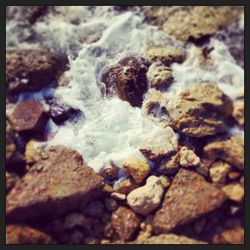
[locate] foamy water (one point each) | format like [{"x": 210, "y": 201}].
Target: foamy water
[{"x": 110, "y": 129}]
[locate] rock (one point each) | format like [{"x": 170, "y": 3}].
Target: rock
[
  {"x": 28, "y": 117},
  {"x": 189, "y": 197},
  {"x": 137, "y": 168},
  {"x": 10, "y": 179},
  {"x": 59, "y": 111},
  {"x": 125, "y": 223},
  {"x": 165, "y": 55},
  {"x": 219, "y": 171},
  {"x": 94, "y": 209},
  {"x": 169, "y": 166},
  {"x": 20, "y": 234},
  {"x": 147, "y": 198},
  {"x": 160, "y": 76},
  {"x": 118, "y": 196},
  {"x": 125, "y": 186},
  {"x": 238, "y": 112},
  {"x": 110, "y": 172},
  {"x": 62, "y": 184},
  {"x": 73, "y": 220},
  {"x": 30, "y": 70},
  {"x": 110, "y": 204},
  {"x": 230, "y": 236},
  {"x": 35, "y": 151},
  {"x": 230, "y": 150},
  {"x": 188, "y": 158},
  {"x": 32, "y": 13},
  {"x": 234, "y": 175},
  {"x": 169, "y": 239},
  {"x": 234, "y": 192},
  {"x": 127, "y": 79},
  {"x": 161, "y": 143}
]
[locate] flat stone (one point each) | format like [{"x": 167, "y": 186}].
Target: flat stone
[
  {"x": 189, "y": 197},
  {"x": 28, "y": 117},
  {"x": 230, "y": 150},
  {"x": 125, "y": 222},
  {"x": 53, "y": 186},
  {"x": 20, "y": 234}
]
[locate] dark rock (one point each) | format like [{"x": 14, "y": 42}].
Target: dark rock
[
  {"x": 53, "y": 186},
  {"x": 127, "y": 79},
  {"x": 189, "y": 197},
  {"x": 109, "y": 172},
  {"x": 28, "y": 117}
]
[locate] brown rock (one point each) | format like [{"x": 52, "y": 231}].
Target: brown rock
[
  {"x": 230, "y": 236},
  {"x": 110, "y": 172},
  {"x": 125, "y": 186},
  {"x": 62, "y": 184},
  {"x": 219, "y": 171},
  {"x": 11, "y": 180},
  {"x": 169, "y": 239},
  {"x": 28, "y": 117},
  {"x": 189, "y": 197},
  {"x": 19, "y": 234},
  {"x": 169, "y": 166},
  {"x": 125, "y": 222},
  {"x": 238, "y": 112},
  {"x": 127, "y": 79},
  {"x": 29, "y": 70},
  {"x": 230, "y": 150}
]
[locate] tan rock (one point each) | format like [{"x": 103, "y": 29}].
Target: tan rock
[
  {"x": 137, "y": 168},
  {"x": 230, "y": 150},
  {"x": 219, "y": 171},
  {"x": 238, "y": 112},
  {"x": 188, "y": 158},
  {"x": 125, "y": 186},
  {"x": 34, "y": 151},
  {"x": 118, "y": 196},
  {"x": 234, "y": 191},
  {"x": 147, "y": 198}
]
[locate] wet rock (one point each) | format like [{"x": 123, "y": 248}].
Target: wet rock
[
  {"x": 62, "y": 184},
  {"x": 11, "y": 180},
  {"x": 234, "y": 191},
  {"x": 127, "y": 79},
  {"x": 20, "y": 234},
  {"x": 147, "y": 198},
  {"x": 110, "y": 171},
  {"x": 125, "y": 186},
  {"x": 137, "y": 168},
  {"x": 230, "y": 236},
  {"x": 188, "y": 158},
  {"x": 160, "y": 77},
  {"x": 125, "y": 223},
  {"x": 238, "y": 112},
  {"x": 59, "y": 111},
  {"x": 230, "y": 150},
  {"x": 28, "y": 117},
  {"x": 169, "y": 166},
  {"x": 189, "y": 197},
  {"x": 164, "y": 143},
  {"x": 219, "y": 171},
  {"x": 30, "y": 70},
  {"x": 110, "y": 204},
  {"x": 165, "y": 55},
  {"x": 169, "y": 239}
]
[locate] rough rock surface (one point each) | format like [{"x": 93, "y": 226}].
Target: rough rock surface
[
  {"x": 238, "y": 112},
  {"x": 189, "y": 197},
  {"x": 28, "y": 117},
  {"x": 127, "y": 79},
  {"x": 29, "y": 70},
  {"x": 230, "y": 150},
  {"x": 147, "y": 198},
  {"x": 19, "y": 234},
  {"x": 53, "y": 186},
  {"x": 137, "y": 168},
  {"x": 169, "y": 239},
  {"x": 234, "y": 191},
  {"x": 125, "y": 222},
  {"x": 165, "y": 55},
  {"x": 219, "y": 171}
]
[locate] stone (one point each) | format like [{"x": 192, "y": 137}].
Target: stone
[
  {"x": 234, "y": 175},
  {"x": 238, "y": 112},
  {"x": 59, "y": 111},
  {"x": 137, "y": 168},
  {"x": 169, "y": 239},
  {"x": 110, "y": 204},
  {"x": 21, "y": 234},
  {"x": 234, "y": 192},
  {"x": 125, "y": 186},
  {"x": 125, "y": 223},
  {"x": 10, "y": 179},
  {"x": 189, "y": 197},
  {"x": 160, "y": 77},
  {"x": 28, "y": 117},
  {"x": 219, "y": 172},
  {"x": 165, "y": 55},
  {"x": 169, "y": 166},
  {"x": 110, "y": 172},
  {"x": 230, "y": 150},
  {"x": 62, "y": 184},
  {"x": 147, "y": 198},
  {"x": 118, "y": 196},
  {"x": 230, "y": 236},
  {"x": 74, "y": 220},
  {"x": 188, "y": 158},
  {"x": 127, "y": 79},
  {"x": 94, "y": 209}
]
